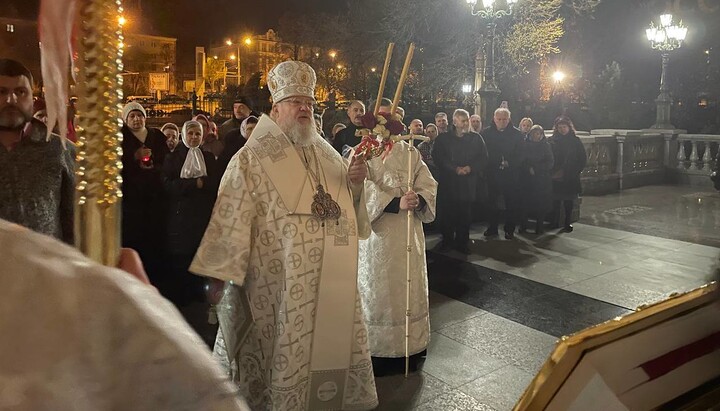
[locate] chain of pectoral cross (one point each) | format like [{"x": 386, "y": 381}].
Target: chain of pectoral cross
[{"x": 314, "y": 174}]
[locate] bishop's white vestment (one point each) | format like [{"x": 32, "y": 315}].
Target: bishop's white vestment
[
  {"x": 382, "y": 272},
  {"x": 76, "y": 335},
  {"x": 291, "y": 333}
]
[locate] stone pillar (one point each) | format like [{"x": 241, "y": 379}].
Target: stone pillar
[
  {"x": 620, "y": 159},
  {"x": 664, "y": 100},
  {"x": 666, "y": 154}
]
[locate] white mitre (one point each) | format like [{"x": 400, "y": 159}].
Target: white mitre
[{"x": 291, "y": 79}]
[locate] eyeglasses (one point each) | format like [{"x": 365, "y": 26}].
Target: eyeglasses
[{"x": 309, "y": 104}]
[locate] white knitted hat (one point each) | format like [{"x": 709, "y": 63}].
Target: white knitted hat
[
  {"x": 291, "y": 79},
  {"x": 132, "y": 106}
]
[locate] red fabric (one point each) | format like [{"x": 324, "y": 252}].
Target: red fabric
[
  {"x": 72, "y": 136},
  {"x": 667, "y": 363}
]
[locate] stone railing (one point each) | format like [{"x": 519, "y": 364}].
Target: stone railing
[
  {"x": 620, "y": 159},
  {"x": 696, "y": 157}
]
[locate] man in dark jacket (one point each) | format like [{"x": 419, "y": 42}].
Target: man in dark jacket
[
  {"x": 346, "y": 136},
  {"x": 242, "y": 108},
  {"x": 460, "y": 157},
  {"x": 504, "y": 164},
  {"x": 37, "y": 174}
]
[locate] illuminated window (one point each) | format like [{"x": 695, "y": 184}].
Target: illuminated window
[{"x": 10, "y": 28}]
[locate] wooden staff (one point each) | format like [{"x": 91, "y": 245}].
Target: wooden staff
[
  {"x": 407, "y": 261},
  {"x": 403, "y": 77},
  {"x": 396, "y": 100},
  {"x": 383, "y": 79}
]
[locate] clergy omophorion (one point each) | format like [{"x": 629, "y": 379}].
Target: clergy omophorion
[
  {"x": 290, "y": 335},
  {"x": 382, "y": 272}
]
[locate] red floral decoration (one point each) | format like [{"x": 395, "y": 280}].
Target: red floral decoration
[{"x": 378, "y": 133}]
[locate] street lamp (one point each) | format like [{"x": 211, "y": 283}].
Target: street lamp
[
  {"x": 558, "y": 77},
  {"x": 490, "y": 11},
  {"x": 229, "y": 43},
  {"x": 666, "y": 37},
  {"x": 467, "y": 88}
]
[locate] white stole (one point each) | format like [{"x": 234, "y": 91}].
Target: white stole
[{"x": 335, "y": 310}]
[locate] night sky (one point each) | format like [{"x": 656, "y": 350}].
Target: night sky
[{"x": 616, "y": 31}]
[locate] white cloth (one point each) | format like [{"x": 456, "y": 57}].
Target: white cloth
[
  {"x": 382, "y": 266},
  {"x": 274, "y": 315},
  {"x": 79, "y": 336},
  {"x": 243, "y": 127},
  {"x": 194, "y": 165}
]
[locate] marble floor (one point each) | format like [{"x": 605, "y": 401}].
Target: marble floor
[{"x": 496, "y": 313}]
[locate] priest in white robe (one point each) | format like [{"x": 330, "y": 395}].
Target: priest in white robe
[
  {"x": 76, "y": 335},
  {"x": 284, "y": 237},
  {"x": 383, "y": 266}
]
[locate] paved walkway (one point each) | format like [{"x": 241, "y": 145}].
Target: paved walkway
[{"x": 496, "y": 314}]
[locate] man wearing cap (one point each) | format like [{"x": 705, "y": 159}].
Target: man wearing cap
[
  {"x": 241, "y": 110},
  {"x": 37, "y": 174},
  {"x": 144, "y": 206},
  {"x": 284, "y": 239}
]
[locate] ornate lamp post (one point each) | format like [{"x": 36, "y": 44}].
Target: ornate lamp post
[
  {"x": 666, "y": 37},
  {"x": 491, "y": 12},
  {"x": 235, "y": 58},
  {"x": 558, "y": 78},
  {"x": 467, "y": 90}
]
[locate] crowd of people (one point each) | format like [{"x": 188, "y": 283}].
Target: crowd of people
[
  {"x": 499, "y": 173},
  {"x": 290, "y": 239}
]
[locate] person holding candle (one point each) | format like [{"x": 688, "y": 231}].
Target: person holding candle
[{"x": 144, "y": 205}]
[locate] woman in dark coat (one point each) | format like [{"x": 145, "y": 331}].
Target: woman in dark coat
[
  {"x": 144, "y": 203},
  {"x": 535, "y": 178},
  {"x": 570, "y": 160},
  {"x": 191, "y": 181}
]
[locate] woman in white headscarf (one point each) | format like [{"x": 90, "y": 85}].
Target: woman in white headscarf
[{"x": 191, "y": 180}]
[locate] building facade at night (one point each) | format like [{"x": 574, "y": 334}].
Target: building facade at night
[{"x": 254, "y": 53}]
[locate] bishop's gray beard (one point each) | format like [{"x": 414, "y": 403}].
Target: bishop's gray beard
[{"x": 301, "y": 135}]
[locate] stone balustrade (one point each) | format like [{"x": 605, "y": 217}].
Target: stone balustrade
[
  {"x": 696, "y": 157},
  {"x": 622, "y": 159}
]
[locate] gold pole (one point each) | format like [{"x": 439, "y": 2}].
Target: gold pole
[
  {"x": 383, "y": 79},
  {"x": 403, "y": 77},
  {"x": 407, "y": 262},
  {"x": 98, "y": 195}
]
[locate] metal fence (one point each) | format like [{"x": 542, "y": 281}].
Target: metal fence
[{"x": 179, "y": 112}]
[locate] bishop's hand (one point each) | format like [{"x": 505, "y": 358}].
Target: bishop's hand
[{"x": 357, "y": 170}]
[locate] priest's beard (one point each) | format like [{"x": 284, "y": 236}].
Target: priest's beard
[
  {"x": 301, "y": 134},
  {"x": 13, "y": 118}
]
